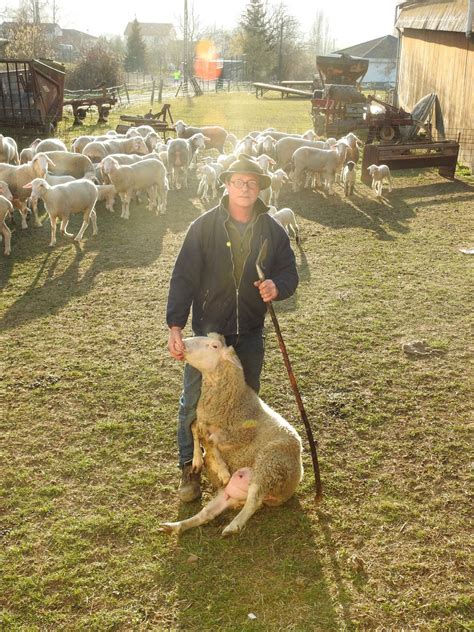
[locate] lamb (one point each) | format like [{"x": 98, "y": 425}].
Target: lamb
[
  {"x": 217, "y": 166},
  {"x": 208, "y": 182},
  {"x": 180, "y": 154},
  {"x": 233, "y": 140},
  {"x": 151, "y": 140},
  {"x": 226, "y": 160},
  {"x": 106, "y": 193},
  {"x": 322, "y": 161},
  {"x": 215, "y": 135},
  {"x": 65, "y": 163},
  {"x": 50, "y": 144},
  {"x": 246, "y": 146},
  {"x": 287, "y": 219},
  {"x": 63, "y": 200},
  {"x": 278, "y": 178},
  {"x": 8, "y": 150},
  {"x": 6, "y": 209},
  {"x": 250, "y": 448},
  {"x": 349, "y": 175},
  {"x": 26, "y": 155},
  {"x": 265, "y": 161},
  {"x": 146, "y": 175},
  {"x": 266, "y": 145},
  {"x": 355, "y": 144},
  {"x": 98, "y": 150},
  {"x": 16, "y": 176},
  {"x": 379, "y": 174}
]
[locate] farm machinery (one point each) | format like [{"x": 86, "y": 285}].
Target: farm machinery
[{"x": 399, "y": 139}]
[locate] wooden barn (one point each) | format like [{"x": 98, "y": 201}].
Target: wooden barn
[{"x": 436, "y": 54}]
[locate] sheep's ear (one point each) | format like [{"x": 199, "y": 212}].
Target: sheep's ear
[
  {"x": 228, "y": 354},
  {"x": 50, "y": 162},
  {"x": 206, "y": 138},
  {"x": 218, "y": 337},
  {"x": 28, "y": 186}
]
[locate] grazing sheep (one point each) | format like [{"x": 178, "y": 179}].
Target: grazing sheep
[
  {"x": 278, "y": 178},
  {"x": 6, "y": 209},
  {"x": 287, "y": 219},
  {"x": 249, "y": 447},
  {"x": 8, "y": 150},
  {"x": 215, "y": 135},
  {"x": 379, "y": 174},
  {"x": 146, "y": 175},
  {"x": 63, "y": 200},
  {"x": 16, "y": 176},
  {"x": 349, "y": 175}
]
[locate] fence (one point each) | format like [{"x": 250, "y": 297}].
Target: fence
[{"x": 466, "y": 142}]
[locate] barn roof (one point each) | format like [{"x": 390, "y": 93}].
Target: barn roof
[
  {"x": 433, "y": 15},
  {"x": 380, "y": 48}
]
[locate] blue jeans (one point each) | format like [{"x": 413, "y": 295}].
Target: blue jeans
[{"x": 250, "y": 348}]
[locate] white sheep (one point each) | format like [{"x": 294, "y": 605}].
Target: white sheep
[
  {"x": 65, "y": 163},
  {"x": 16, "y": 176},
  {"x": 249, "y": 447},
  {"x": 180, "y": 154},
  {"x": 226, "y": 160},
  {"x": 106, "y": 193},
  {"x": 63, "y": 200},
  {"x": 50, "y": 144},
  {"x": 311, "y": 160},
  {"x": 6, "y": 209},
  {"x": 379, "y": 174},
  {"x": 279, "y": 177},
  {"x": 52, "y": 180},
  {"x": 207, "y": 182},
  {"x": 285, "y": 148},
  {"x": 246, "y": 146},
  {"x": 287, "y": 219},
  {"x": 215, "y": 135},
  {"x": 349, "y": 175},
  {"x": 98, "y": 150},
  {"x": 8, "y": 150},
  {"x": 265, "y": 162},
  {"x": 146, "y": 175}
]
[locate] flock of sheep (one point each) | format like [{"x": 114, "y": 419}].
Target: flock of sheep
[{"x": 98, "y": 168}]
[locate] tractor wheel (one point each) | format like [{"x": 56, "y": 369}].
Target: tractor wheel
[{"x": 387, "y": 133}]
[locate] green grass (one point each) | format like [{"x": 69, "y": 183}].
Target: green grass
[{"x": 90, "y": 396}]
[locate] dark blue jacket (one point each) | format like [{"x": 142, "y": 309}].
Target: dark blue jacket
[{"x": 203, "y": 274}]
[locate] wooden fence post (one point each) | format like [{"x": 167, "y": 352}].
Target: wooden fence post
[
  {"x": 160, "y": 92},
  {"x": 126, "y": 92},
  {"x": 152, "y": 92}
]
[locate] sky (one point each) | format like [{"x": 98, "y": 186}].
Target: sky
[{"x": 352, "y": 21}]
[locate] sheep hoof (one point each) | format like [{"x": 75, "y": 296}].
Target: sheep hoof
[
  {"x": 170, "y": 528},
  {"x": 231, "y": 530}
]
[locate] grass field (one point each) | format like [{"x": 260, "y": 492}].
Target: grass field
[{"x": 90, "y": 396}]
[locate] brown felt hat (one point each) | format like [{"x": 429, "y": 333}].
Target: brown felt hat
[{"x": 246, "y": 164}]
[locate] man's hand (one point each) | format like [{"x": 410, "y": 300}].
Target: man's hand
[
  {"x": 175, "y": 343},
  {"x": 268, "y": 290}
]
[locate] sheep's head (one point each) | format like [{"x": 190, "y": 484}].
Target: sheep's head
[
  {"x": 108, "y": 164},
  {"x": 132, "y": 132},
  {"x": 40, "y": 163},
  {"x": 179, "y": 126},
  {"x": 198, "y": 141},
  {"x": 310, "y": 135},
  {"x": 139, "y": 146},
  {"x": 38, "y": 186},
  {"x": 153, "y": 139},
  {"x": 372, "y": 169},
  {"x": 280, "y": 175},
  {"x": 205, "y": 353}
]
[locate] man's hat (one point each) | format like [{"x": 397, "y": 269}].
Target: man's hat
[{"x": 246, "y": 164}]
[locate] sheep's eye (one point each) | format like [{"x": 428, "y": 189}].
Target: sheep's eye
[{"x": 214, "y": 346}]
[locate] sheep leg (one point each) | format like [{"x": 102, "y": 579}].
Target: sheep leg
[
  {"x": 52, "y": 219},
  {"x": 389, "y": 184},
  {"x": 7, "y": 235},
  {"x": 217, "y": 505},
  {"x": 34, "y": 208},
  {"x": 93, "y": 216},
  {"x": 123, "y": 199},
  {"x": 63, "y": 227},
  {"x": 252, "y": 504},
  {"x": 198, "y": 461},
  {"x": 23, "y": 209},
  {"x": 85, "y": 224}
]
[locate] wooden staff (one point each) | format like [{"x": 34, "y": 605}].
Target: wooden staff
[{"x": 294, "y": 386}]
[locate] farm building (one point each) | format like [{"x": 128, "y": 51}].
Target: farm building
[
  {"x": 437, "y": 56},
  {"x": 382, "y": 56}
]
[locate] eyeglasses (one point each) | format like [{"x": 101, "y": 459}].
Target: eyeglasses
[{"x": 250, "y": 184}]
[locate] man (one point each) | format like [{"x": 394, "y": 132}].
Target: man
[{"x": 215, "y": 273}]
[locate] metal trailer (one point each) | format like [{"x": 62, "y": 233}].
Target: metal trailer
[{"x": 31, "y": 97}]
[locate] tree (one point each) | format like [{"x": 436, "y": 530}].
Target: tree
[
  {"x": 99, "y": 65},
  {"x": 255, "y": 39},
  {"x": 135, "y": 55},
  {"x": 320, "y": 40},
  {"x": 27, "y": 37}
]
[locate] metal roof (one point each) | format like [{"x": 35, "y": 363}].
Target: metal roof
[
  {"x": 384, "y": 47},
  {"x": 433, "y": 15}
]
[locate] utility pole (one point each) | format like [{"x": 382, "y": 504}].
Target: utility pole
[
  {"x": 280, "y": 54},
  {"x": 186, "y": 47}
]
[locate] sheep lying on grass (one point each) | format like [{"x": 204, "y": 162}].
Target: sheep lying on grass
[
  {"x": 379, "y": 174},
  {"x": 250, "y": 448}
]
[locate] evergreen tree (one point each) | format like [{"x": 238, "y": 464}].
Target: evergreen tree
[
  {"x": 135, "y": 55},
  {"x": 255, "y": 36}
]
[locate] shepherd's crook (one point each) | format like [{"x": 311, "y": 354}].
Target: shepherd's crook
[{"x": 294, "y": 386}]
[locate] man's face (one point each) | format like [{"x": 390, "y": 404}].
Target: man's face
[{"x": 243, "y": 189}]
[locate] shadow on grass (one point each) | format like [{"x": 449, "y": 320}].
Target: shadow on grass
[
  {"x": 273, "y": 569},
  {"x": 120, "y": 244}
]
